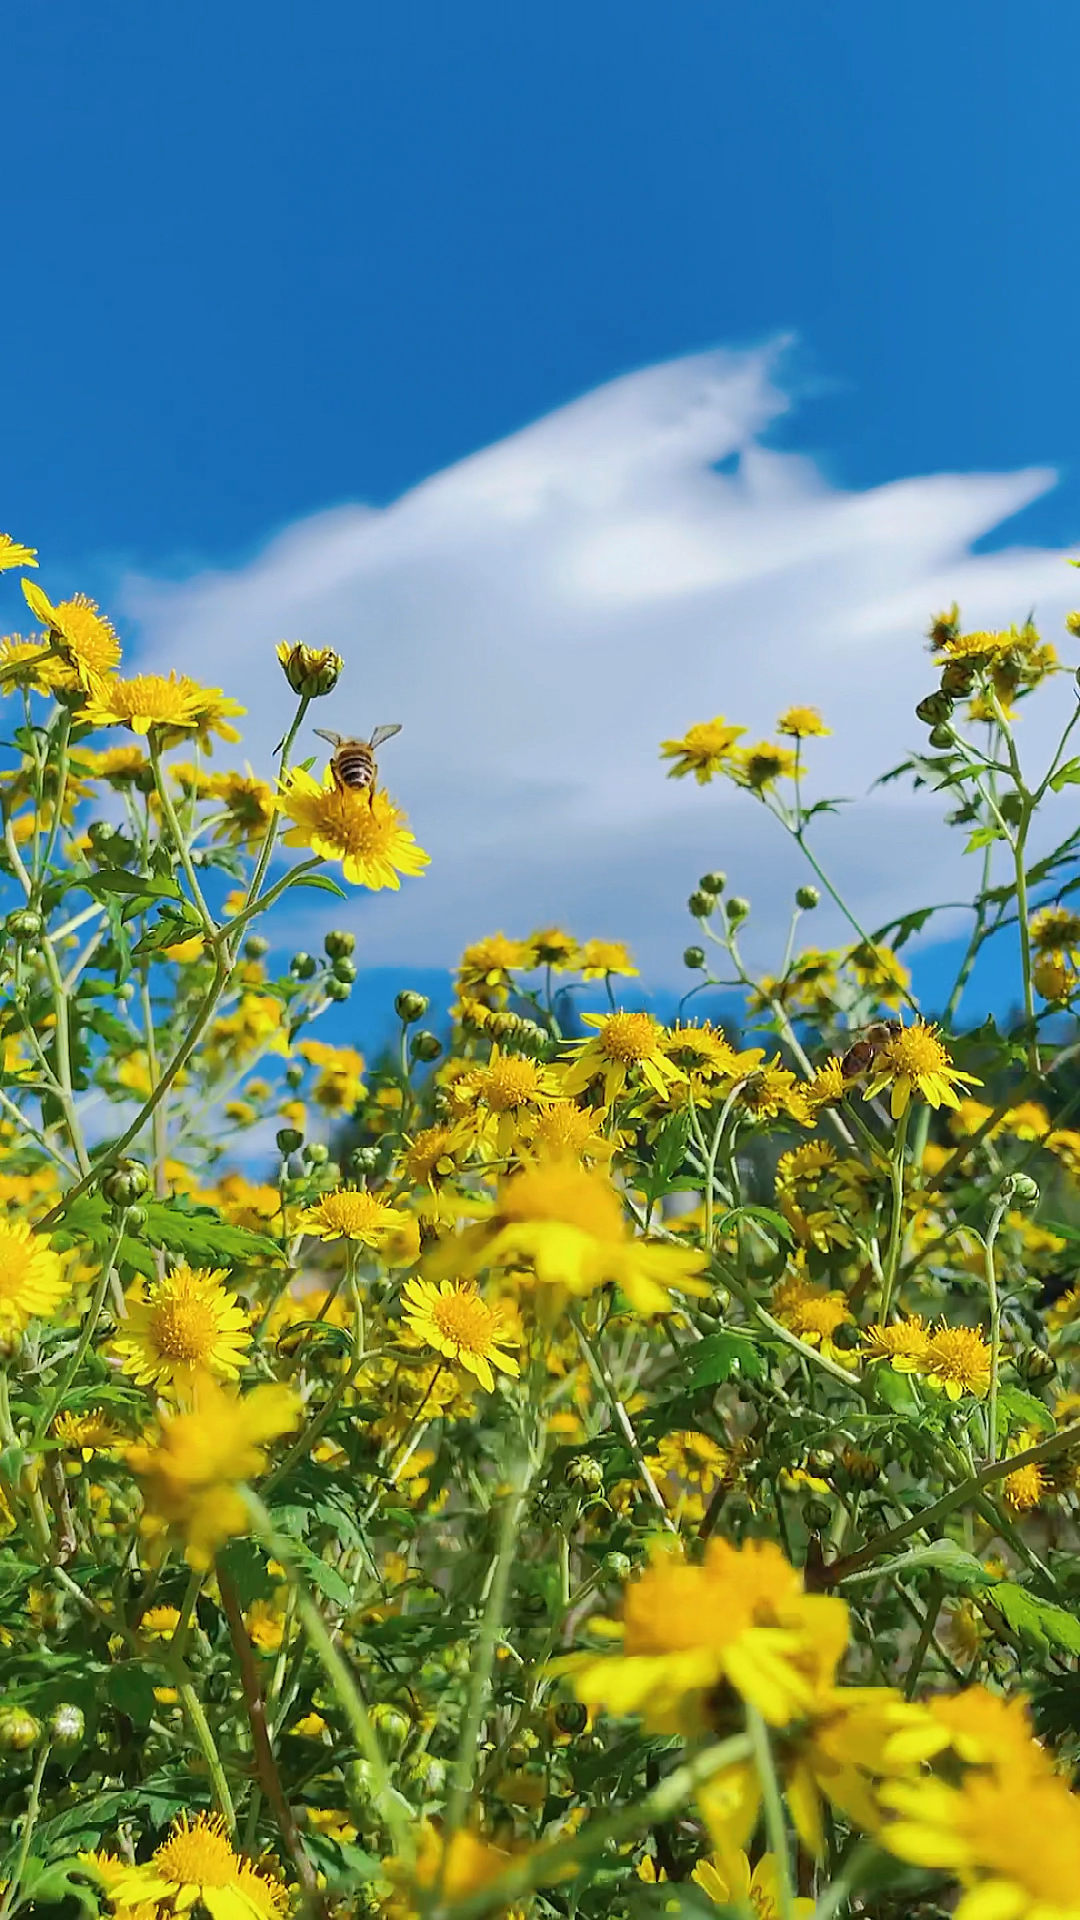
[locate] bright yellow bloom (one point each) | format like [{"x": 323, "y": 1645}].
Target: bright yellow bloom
[
  {"x": 772, "y": 1093},
  {"x": 551, "y": 947},
  {"x": 180, "y": 1327},
  {"x": 149, "y": 700},
  {"x": 196, "y": 1864},
  {"x": 1056, "y": 929},
  {"x": 340, "y": 1084},
  {"x": 915, "y": 1061},
  {"x": 625, "y": 1043},
  {"x": 364, "y": 830},
  {"x": 1013, "y": 1842},
  {"x": 86, "y": 1433},
  {"x": 214, "y": 712},
  {"x": 826, "y": 1089},
  {"x": 120, "y": 766},
  {"x": 881, "y": 972},
  {"x": 352, "y": 1213},
  {"x": 559, "y": 1128},
  {"x": 495, "y": 1099},
  {"x": 705, "y": 1054},
  {"x": 191, "y": 1476},
  {"x": 159, "y": 1623},
  {"x": 451, "y": 1317},
  {"x": 802, "y": 723},
  {"x": 957, "y": 1361},
  {"x": 32, "y": 1282},
  {"x": 37, "y": 665},
  {"x": 705, "y": 749},
  {"x": 812, "y": 1312},
  {"x": 14, "y": 555},
  {"x": 600, "y": 957},
  {"x": 87, "y": 641},
  {"x": 757, "y": 767},
  {"x": 741, "y": 1616},
  {"x": 249, "y": 805},
  {"x": 484, "y": 968},
  {"x": 729, "y": 1882},
  {"x": 458, "y": 1868},
  {"x": 568, "y": 1226},
  {"x": 904, "y": 1344}
]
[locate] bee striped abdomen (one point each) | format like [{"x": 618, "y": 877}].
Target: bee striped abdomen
[{"x": 354, "y": 766}]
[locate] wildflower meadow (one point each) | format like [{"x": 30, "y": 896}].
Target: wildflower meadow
[{"x": 572, "y": 1465}]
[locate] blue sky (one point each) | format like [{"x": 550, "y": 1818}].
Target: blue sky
[{"x": 268, "y": 262}]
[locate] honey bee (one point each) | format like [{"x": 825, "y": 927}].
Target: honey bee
[
  {"x": 353, "y": 762},
  {"x": 862, "y": 1053}
]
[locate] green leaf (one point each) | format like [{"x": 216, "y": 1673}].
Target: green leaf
[
  {"x": 669, "y": 1154},
  {"x": 117, "y": 880},
  {"x": 773, "y": 1219},
  {"x": 1038, "y": 1620},
  {"x": 1066, "y": 776},
  {"x": 246, "y": 1567},
  {"x": 131, "y": 1689},
  {"x": 715, "y": 1358},
  {"x": 320, "y": 880},
  {"x": 202, "y": 1236},
  {"x": 983, "y": 837},
  {"x": 1023, "y": 1409},
  {"x": 322, "y": 1575},
  {"x": 952, "y": 1563}
]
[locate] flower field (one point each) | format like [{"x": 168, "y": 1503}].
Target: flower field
[{"x": 575, "y": 1465}]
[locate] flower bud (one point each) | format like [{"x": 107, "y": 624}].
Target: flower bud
[
  {"x": 585, "y": 1472},
  {"x": 137, "y": 1218},
  {"x": 19, "y": 1731},
  {"x": 315, "y": 1154},
  {"x": 1035, "y": 1365},
  {"x": 125, "y": 1183},
  {"x": 425, "y": 1045},
  {"x": 738, "y": 909},
  {"x": 339, "y": 944},
  {"x": 346, "y": 970},
  {"x": 66, "y": 1725},
  {"x": 256, "y": 947},
  {"x": 337, "y": 989},
  {"x": 570, "y": 1716},
  {"x": 1072, "y": 623},
  {"x": 617, "y": 1566},
  {"x": 410, "y": 1006},
  {"x": 424, "y": 1776},
  {"x": 807, "y": 898},
  {"x": 941, "y": 737},
  {"x": 935, "y": 709},
  {"x": 289, "y": 1141},
  {"x": 816, "y": 1515},
  {"x": 958, "y": 678},
  {"x": 302, "y": 965},
  {"x": 701, "y": 905},
  {"x": 310, "y": 671},
  {"x": 364, "y": 1159},
  {"x": 693, "y": 957},
  {"x": 713, "y": 882},
  {"x": 294, "y": 1074},
  {"x": 1021, "y": 1189},
  {"x": 392, "y": 1726},
  {"x": 1053, "y": 977},
  {"x": 24, "y": 926}
]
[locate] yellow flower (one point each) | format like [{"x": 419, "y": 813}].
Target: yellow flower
[
  {"x": 364, "y": 830},
  {"x": 14, "y": 555},
  {"x": 496, "y": 1098},
  {"x": 771, "y": 1092},
  {"x": 120, "y": 766},
  {"x": 802, "y": 723},
  {"x": 249, "y": 805},
  {"x": 705, "y": 749},
  {"x": 915, "y": 1061},
  {"x": 149, "y": 700},
  {"x": 559, "y": 1128},
  {"x": 191, "y": 1475},
  {"x": 904, "y": 1344},
  {"x": 159, "y": 1623},
  {"x": 197, "y": 1865},
  {"x": 826, "y": 1089},
  {"x": 600, "y": 957},
  {"x": 86, "y": 1433},
  {"x": 706, "y": 1056},
  {"x": 957, "y": 1361},
  {"x": 568, "y": 1226},
  {"x": 37, "y": 665},
  {"x": 32, "y": 1282},
  {"x": 340, "y": 1084},
  {"x": 458, "y": 1867},
  {"x": 728, "y": 1882},
  {"x": 812, "y": 1312},
  {"x": 451, "y": 1317},
  {"x": 625, "y": 1043},
  {"x": 757, "y": 767},
  {"x": 551, "y": 947},
  {"x": 1012, "y": 1840},
  {"x": 351, "y": 1213},
  {"x": 1056, "y": 929},
  {"x": 180, "y": 1327},
  {"x": 484, "y": 968},
  {"x": 87, "y": 641},
  {"x": 741, "y": 1616},
  {"x": 265, "y": 1623},
  {"x": 879, "y": 971}
]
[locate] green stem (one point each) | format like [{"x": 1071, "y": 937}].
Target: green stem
[
  {"x": 775, "y": 1824},
  {"x": 896, "y": 1223},
  {"x": 179, "y": 837},
  {"x": 267, "y": 848},
  {"x": 86, "y": 1333},
  {"x": 200, "y": 1727},
  {"x": 30, "y": 1818},
  {"x": 622, "y": 1420},
  {"x": 995, "y": 1328}
]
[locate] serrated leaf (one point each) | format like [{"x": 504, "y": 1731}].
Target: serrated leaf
[
  {"x": 1023, "y": 1409},
  {"x": 1038, "y": 1620},
  {"x": 246, "y": 1567},
  {"x": 955, "y": 1566},
  {"x": 1066, "y": 776},
  {"x": 669, "y": 1154},
  {"x": 203, "y": 1237},
  {"x": 322, "y": 1575},
  {"x": 983, "y": 837},
  {"x": 715, "y": 1358},
  {"x": 116, "y": 880},
  {"x": 772, "y": 1219}
]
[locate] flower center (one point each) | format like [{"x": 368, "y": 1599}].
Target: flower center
[
  {"x": 465, "y": 1319},
  {"x": 509, "y": 1082},
  {"x": 197, "y": 1856},
  {"x": 629, "y": 1037},
  {"x": 352, "y": 1211},
  {"x": 915, "y": 1051},
  {"x": 183, "y": 1328}
]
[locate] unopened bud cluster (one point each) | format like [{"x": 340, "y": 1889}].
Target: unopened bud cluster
[{"x": 310, "y": 671}]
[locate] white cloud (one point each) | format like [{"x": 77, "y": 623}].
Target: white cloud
[{"x": 542, "y": 614}]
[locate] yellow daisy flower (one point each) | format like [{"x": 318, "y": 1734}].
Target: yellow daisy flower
[
  {"x": 485, "y": 967},
  {"x": 365, "y": 831},
  {"x": 957, "y": 1361},
  {"x": 728, "y": 1882},
  {"x": 12, "y": 554},
  {"x": 802, "y": 723},
  {"x": 181, "y": 1326},
  {"x": 87, "y": 640},
  {"x": 625, "y": 1043},
  {"x": 32, "y": 1282},
  {"x": 352, "y": 1213},
  {"x": 757, "y": 767},
  {"x": 192, "y": 1475},
  {"x": 495, "y": 1099},
  {"x": 86, "y": 1433},
  {"x": 904, "y": 1344},
  {"x": 149, "y": 700},
  {"x": 600, "y": 957},
  {"x": 551, "y": 947},
  {"x": 197, "y": 1865},
  {"x": 915, "y": 1061},
  {"x": 450, "y": 1316},
  {"x": 249, "y": 805},
  {"x": 706, "y": 748}
]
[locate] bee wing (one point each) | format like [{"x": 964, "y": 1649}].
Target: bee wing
[
  {"x": 383, "y": 733},
  {"x": 335, "y": 739}
]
